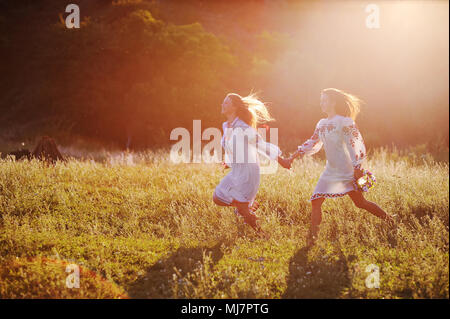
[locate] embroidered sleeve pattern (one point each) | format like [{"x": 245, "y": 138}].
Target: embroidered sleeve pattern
[
  {"x": 355, "y": 144},
  {"x": 312, "y": 145}
]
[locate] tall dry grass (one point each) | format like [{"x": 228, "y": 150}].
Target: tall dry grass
[{"x": 140, "y": 226}]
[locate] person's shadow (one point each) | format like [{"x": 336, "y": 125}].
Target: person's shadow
[
  {"x": 157, "y": 280},
  {"x": 318, "y": 279}
]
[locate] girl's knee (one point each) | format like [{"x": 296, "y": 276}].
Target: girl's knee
[
  {"x": 214, "y": 198},
  {"x": 217, "y": 201}
]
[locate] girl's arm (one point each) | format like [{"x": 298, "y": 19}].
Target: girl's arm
[
  {"x": 227, "y": 161},
  {"x": 310, "y": 147},
  {"x": 271, "y": 151},
  {"x": 284, "y": 162},
  {"x": 295, "y": 155},
  {"x": 355, "y": 145}
]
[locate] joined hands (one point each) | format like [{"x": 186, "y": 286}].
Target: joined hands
[{"x": 285, "y": 162}]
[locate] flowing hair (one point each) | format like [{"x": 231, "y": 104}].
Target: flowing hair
[
  {"x": 346, "y": 103},
  {"x": 250, "y": 109}
]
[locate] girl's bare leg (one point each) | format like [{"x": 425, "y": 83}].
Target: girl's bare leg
[
  {"x": 244, "y": 210},
  {"x": 251, "y": 219},
  {"x": 360, "y": 202},
  {"x": 316, "y": 217},
  {"x": 254, "y": 206},
  {"x": 217, "y": 201}
]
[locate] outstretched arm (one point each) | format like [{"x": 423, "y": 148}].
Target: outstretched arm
[
  {"x": 310, "y": 147},
  {"x": 226, "y": 162},
  {"x": 271, "y": 151},
  {"x": 284, "y": 162}
]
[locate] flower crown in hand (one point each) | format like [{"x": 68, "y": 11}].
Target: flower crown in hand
[{"x": 365, "y": 182}]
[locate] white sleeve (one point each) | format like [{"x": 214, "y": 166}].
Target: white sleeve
[
  {"x": 227, "y": 157},
  {"x": 354, "y": 142},
  {"x": 312, "y": 145},
  {"x": 222, "y": 141},
  {"x": 270, "y": 150}
]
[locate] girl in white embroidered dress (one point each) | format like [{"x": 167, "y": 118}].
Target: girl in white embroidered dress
[
  {"x": 239, "y": 187},
  {"x": 345, "y": 152}
]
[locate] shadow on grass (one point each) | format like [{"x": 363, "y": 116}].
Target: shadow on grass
[
  {"x": 319, "y": 278},
  {"x": 156, "y": 283}
]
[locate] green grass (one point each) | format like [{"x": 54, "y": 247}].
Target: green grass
[{"x": 146, "y": 228}]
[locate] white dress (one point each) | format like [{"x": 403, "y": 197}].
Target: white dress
[
  {"x": 345, "y": 151},
  {"x": 242, "y": 155}
]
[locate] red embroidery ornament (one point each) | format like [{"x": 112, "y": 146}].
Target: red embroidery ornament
[{"x": 328, "y": 195}]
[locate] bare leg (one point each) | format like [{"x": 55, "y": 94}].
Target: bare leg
[
  {"x": 316, "y": 217},
  {"x": 255, "y": 206},
  {"x": 243, "y": 210},
  {"x": 360, "y": 202},
  {"x": 217, "y": 201},
  {"x": 251, "y": 219}
]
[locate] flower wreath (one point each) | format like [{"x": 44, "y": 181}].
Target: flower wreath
[{"x": 365, "y": 182}]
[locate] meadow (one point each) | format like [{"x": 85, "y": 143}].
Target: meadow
[{"x": 139, "y": 226}]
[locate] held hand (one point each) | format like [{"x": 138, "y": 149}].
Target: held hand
[
  {"x": 284, "y": 162},
  {"x": 297, "y": 154},
  {"x": 358, "y": 173},
  {"x": 294, "y": 156},
  {"x": 290, "y": 160}
]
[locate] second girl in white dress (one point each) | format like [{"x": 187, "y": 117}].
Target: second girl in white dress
[{"x": 345, "y": 152}]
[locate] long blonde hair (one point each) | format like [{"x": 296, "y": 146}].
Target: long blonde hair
[
  {"x": 346, "y": 103},
  {"x": 250, "y": 109}
]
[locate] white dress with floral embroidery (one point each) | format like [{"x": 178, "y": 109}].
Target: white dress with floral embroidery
[
  {"x": 345, "y": 151},
  {"x": 242, "y": 183}
]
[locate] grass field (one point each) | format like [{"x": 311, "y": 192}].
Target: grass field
[{"x": 139, "y": 226}]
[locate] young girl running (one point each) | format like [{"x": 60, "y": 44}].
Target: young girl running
[
  {"x": 243, "y": 146},
  {"x": 345, "y": 152}
]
